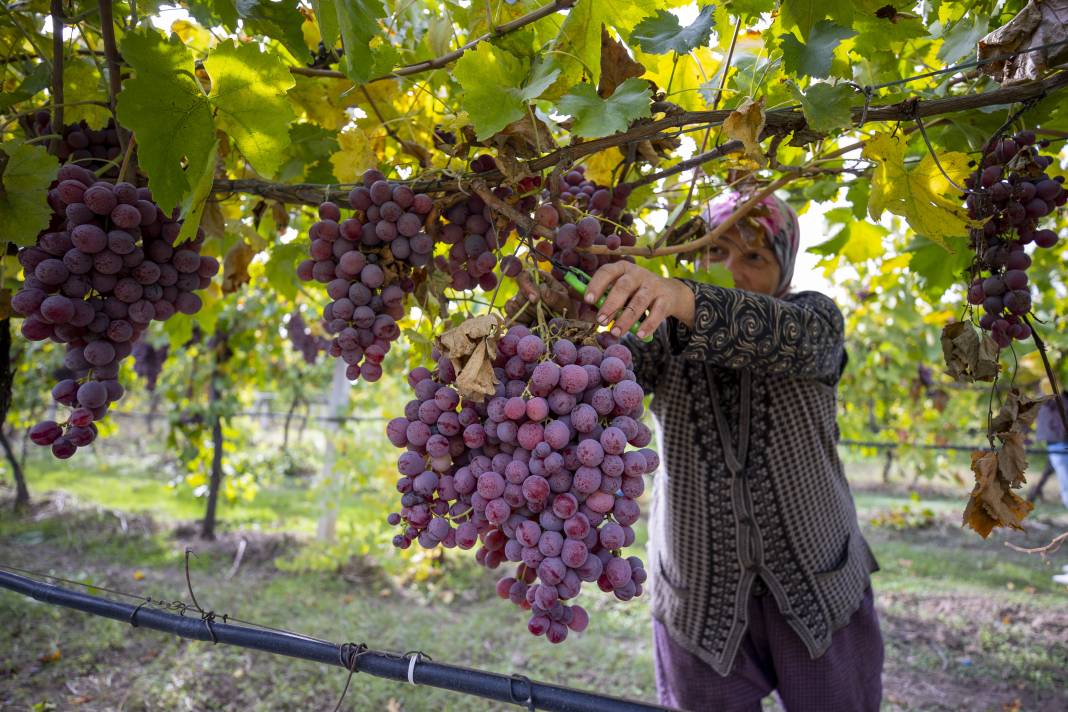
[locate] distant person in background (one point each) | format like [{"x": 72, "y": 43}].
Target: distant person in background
[{"x": 1050, "y": 427}]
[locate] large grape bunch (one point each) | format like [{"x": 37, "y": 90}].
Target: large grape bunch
[
  {"x": 148, "y": 362},
  {"x": 307, "y": 344},
  {"x": 94, "y": 281},
  {"x": 1012, "y": 192},
  {"x": 539, "y": 475},
  {"x": 89, "y": 148},
  {"x": 366, "y": 262}
]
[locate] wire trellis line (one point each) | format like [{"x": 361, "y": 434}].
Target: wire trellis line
[
  {"x": 413, "y": 667},
  {"x": 890, "y": 445}
]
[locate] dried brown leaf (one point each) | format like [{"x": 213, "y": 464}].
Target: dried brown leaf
[
  {"x": 524, "y": 138},
  {"x": 212, "y": 221},
  {"x": 472, "y": 347},
  {"x": 235, "y": 267},
  {"x": 1037, "y": 24},
  {"x": 616, "y": 65},
  {"x": 1017, "y": 414},
  {"x": 1012, "y": 459},
  {"x": 969, "y": 356},
  {"x": 992, "y": 503},
  {"x": 745, "y": 124}
]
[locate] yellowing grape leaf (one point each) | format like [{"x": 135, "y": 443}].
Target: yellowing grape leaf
[
  {"x": 922, "y": 196},
  {"x": 235, "y": 266},
  {"x": 355, "y": 157},
  {"x": 248, "y": 90}
]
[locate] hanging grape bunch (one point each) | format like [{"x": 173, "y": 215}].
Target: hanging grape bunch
[
  {"x": 148, "y": 362},
  {"x": 89, "y": 148},
  {"x": 307, "y": 344},
  {"x": 1011, "y": 190},
  {"x": 538, "y": 475},
  {"x": 106, "y": 268},
  {"x": 366, "y": 263},
  {"x": 588, "y": 215}
]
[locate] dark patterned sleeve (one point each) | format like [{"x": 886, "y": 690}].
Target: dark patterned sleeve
[
  {"x": 801, "y": 335},
  {"x": 649, "y": 358}
]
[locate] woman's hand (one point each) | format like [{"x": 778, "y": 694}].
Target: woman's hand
[{"x": 633, "y": 290}]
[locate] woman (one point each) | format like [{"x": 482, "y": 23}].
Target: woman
[{"x": 760, "y": 575}]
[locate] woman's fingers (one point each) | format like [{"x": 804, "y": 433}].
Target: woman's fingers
[
  {"x": 603, "y": 278},
  {"x": 634, "y": 309},
  {"x": 658, "y": 312}
]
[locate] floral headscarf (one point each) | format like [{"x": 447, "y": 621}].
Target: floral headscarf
[{"x": 771, "y": 219}]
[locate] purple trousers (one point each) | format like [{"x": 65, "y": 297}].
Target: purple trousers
[{"x": 846, "y": 678}]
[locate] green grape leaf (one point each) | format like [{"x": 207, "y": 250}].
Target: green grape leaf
[
  {"x": 358, "y": 23},
  {"x": 168, "y": 112},
  {"x": 326, "y": 16},
  {"x": 248, "y": 92},
  {"x": 278, "y": 20},
  {"x": 749, "y": 9},
  {"x": 37, "y": 80},
  {"x": 213, "y": 12},
  {"x": 961, "y": 39},
  {"x": 26, "y": 171},
  {"x": 83, "y": 82},
  {"x": 193, "y": 210},
  {"x": 813, "y": 58},
  {"x": 826, "y": 106},
  {"x": 577, "y": 47},
  {"x": 937, "y": 270},
  {"x": 493, "y": 91},
  {"x": 663, "y": 33},
  {"x": 596, "y": 117},
  {"x": 804, "y": 14}
]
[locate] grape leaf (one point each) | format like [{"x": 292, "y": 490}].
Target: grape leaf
[
  {"x": 358, "y": 23},
  {"x": 83, "y": 82},
  {"x": 596, "y": 117},
  {"x": 26, "y": 171},
  {"x": 577, "y": 47},
  {"x": 198, "y": 198},
  {"x": 961, "y": 39},
  {"x": 937, "y": 270},
  {"x": 803, "y": 14},
  {"x": 35, "y": 81},
  {"x": 992, "y": 503},
  {"x": 749, "y": 9},
  {"x": 248, "y": 91},
  {"x": 745, "y": 124},
  {"x": 493, "y": 91},
  {"x": 813, "y": 58},
  {"x": 279, "y": 20},
  {"x": 355, "y": 156},
  {"x": 167, "y": 110},
  {"x": 826, "y": 106},
  {"x": 663, "y": 33},
  {"x": 326, "y": 16},
  {"x": 922, "y": 196}
]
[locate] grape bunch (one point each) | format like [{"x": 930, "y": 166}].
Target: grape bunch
[
  {"x": 366, "y": 262},
  {"x": 94, "y": 281},
  {"x": 538, "y": 475},
  {"x": 89, "y": 148},
  {"x": 1012, "y": 192},
  {"x": 307, "y": 344},
  {"x": 148, "y": 362},
  {"x": 472, "y": 237}
]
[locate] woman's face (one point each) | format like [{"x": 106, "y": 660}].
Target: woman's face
[{"x": 755, "y": 269}]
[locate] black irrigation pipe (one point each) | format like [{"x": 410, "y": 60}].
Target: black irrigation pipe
[
  {"x": 924, "y": 446},
  {"x": 516, "y": 689}
]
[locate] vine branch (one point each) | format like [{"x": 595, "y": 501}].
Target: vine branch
[
  {"x": 1053, "y": 384},
  {"x": 57, "y": 71},
  {"x": 729, "y": 222},
  {"x": 776, "y": 122}
]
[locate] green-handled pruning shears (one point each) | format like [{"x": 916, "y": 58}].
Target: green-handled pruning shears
[{"x": 579, "y": 281}]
